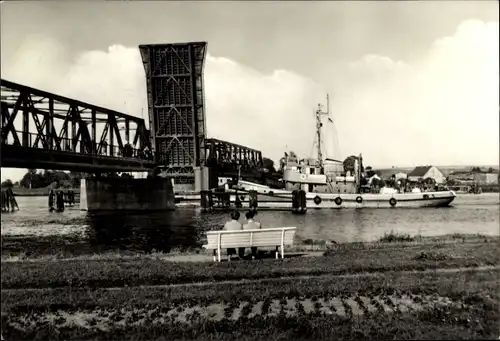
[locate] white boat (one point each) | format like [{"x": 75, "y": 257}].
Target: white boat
[
  {"x": 269, "y": 198},
  {"x": 327, "y": 186}
]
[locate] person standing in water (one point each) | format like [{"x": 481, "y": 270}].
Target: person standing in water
[
  {"x": 252, "y": 225},
  {"x": 12, "y": 199},
  {"x": 60, "y": 201},
  {"x": 52, "y": 196},
  {"x": 234, "y": 225},
  {"x": 5, "y": 201}
]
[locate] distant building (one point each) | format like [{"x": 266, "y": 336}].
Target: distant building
[
  {"x": 424, "y": 172},
  {"x": 474, "y": 177},
  {"x": 400, "y": 175},
  {"x": 462, "y": 176},
  {"x": 488, "y": 178}
]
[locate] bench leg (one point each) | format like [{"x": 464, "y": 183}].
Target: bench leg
[
  {"x": 282, "y": 251},
  {"x": 277, "y": 252},
  {"x": 215, "y": 255}
]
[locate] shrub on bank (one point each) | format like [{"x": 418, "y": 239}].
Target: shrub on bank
[
  {"x": 396, "y": 237},
  {"x": 433, "y": 255}
]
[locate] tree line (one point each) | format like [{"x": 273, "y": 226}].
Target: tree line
[{"x": 35, "y": 179}]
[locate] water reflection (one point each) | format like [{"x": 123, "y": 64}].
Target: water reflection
[
  {"x": 359, "y": 222},
  {"x": 144, "y": 232}
]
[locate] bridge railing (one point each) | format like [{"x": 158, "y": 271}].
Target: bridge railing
[{"x": 77, "y": 146}]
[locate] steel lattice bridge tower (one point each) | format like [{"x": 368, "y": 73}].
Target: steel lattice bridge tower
[{"x": 174, "y": 78}]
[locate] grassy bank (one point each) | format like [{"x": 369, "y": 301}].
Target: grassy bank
[
  {"x": 337, "y": 260},
  {"x": 453, "y": 284},
  {"x": 37, "y": 192},
  {"x": 400, "y": 287},
  {"x": 30, "y": 192},
  {"x": 57, "y": 248}
]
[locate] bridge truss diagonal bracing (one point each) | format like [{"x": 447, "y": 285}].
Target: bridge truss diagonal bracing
[
  {"x": 45, "y": 130},
  {"x": 174, "y": 77},
  {"x": 230, "y": 157}
]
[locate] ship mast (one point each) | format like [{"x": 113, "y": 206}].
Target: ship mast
[{"x": 319, "y": 124}]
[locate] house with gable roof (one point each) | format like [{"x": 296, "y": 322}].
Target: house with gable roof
[{"x": 424, "y": 172}]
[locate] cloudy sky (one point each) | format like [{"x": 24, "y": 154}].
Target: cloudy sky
[{"x": 411, "y": 82}]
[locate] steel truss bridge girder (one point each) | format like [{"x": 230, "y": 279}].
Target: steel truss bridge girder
[
  {"x": 37, "y": 135},
  {"x": 174, "y": 77},
  {"x": 230, "y": 157}
]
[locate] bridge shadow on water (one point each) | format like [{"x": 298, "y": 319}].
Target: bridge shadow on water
[
  {"x": 147, "y": 232},
  {"x": 76, "y": 233},
  {"x": 161, "y": 231}
]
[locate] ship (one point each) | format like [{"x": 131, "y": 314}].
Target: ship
[{"x": 327, "y": 185}]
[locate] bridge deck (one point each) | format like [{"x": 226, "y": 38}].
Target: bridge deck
[{"x": 23, "y": 157}]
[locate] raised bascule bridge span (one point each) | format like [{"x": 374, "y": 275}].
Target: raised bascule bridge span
[{"x": 42, "y": 130}]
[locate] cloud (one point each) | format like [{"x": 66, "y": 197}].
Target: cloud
[
  {"x": 263, "y": 111},
  {"x": 441, "y": 108}
]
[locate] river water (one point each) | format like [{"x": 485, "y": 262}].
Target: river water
[{"x": 35, "y": 230}]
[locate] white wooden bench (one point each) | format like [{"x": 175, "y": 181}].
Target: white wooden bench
[{"x": 279, "y": 237}]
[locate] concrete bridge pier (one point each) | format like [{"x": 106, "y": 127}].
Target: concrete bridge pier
[
  {"x": 123, "y": 194},
  {"x": 202, "y": 180}
]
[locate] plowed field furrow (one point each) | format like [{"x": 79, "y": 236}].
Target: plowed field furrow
[{"x": 344, "y": 306}]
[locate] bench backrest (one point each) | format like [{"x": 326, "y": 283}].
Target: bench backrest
[{"x": 248, "y": 238}]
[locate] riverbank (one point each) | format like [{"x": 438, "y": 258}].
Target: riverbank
[
  {"x": 400, "y": 287},
  {"x": 37, "y": 192},
  {"x": 55, "y": 248}
]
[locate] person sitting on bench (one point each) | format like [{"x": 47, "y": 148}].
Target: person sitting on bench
[
  {"x": 252, "y": 225},
  {"x": 234, "y": 225}
]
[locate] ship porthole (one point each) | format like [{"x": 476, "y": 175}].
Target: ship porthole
[
  {"x": 392, "y": 202},
  {"x": 242, "y": 197},
  {"x": 426, "y": 196},
  {"x": 303, "y": 177},
  {"x": 317, "y": 200},
  {"x": 359, "y": 200},
  {"x": 338, "y": 201}
]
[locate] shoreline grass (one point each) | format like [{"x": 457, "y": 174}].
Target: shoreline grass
[
  {"x": 337, "y": 260},
  {"x": 20, "y": 249}
]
